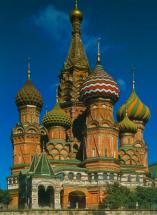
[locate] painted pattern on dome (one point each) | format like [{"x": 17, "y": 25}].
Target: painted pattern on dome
[
  {"x": 29, "y": 95},
  {"x": 135, "y": 108},
  {"x": 100, "y": 84}
]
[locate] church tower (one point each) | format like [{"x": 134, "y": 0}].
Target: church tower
[
  {"x": 26, "y": 136},
  {"x": 139, "y": 114},
  {"x": 75, "y": 70},
  {"x": 100, "y": 92},
  {"x": 76, "y": 66}
]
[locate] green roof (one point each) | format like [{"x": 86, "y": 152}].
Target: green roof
[
  {"x": 34, "y": 163},
  {"x": 43, "y": 166},
  {"x": 153, "y": 170}
]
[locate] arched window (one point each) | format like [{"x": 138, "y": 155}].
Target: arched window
[
  {"x": 96, "y": 177},
  {"x": 89, "y": 177},
  {"x": 111, "y": 176},
  {"x": 14, "y": 181},
  {"x": 104, "y": 176},
  {"x": 77, "y": 199},
  {"x": 45, "y": 197},
  {"x": 61, "y": 176},
  {"x": 9, "y": 181},
  {"x": 70, "y": 176},
  {"x": 78, "y": 176},
  {"x": 129, "y": 178},
  {"x": 137, "y": 178}
]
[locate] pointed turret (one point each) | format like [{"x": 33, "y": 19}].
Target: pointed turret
[
  {"x": 43, "y": 166},
  {"x": 77, "y": 56},
  {"x": 34, "y": 163},
  {"x": 76, "y": 67}
]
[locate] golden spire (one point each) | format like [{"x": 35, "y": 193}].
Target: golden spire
[
  {"x": 29, "y": 70},
  {"x": 99, "y": 54},
  {"x": 77, "y": 55},
  {"x": 76, "y": 18}
]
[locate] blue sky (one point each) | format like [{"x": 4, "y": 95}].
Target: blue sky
[{"x": 41, "y": 29}]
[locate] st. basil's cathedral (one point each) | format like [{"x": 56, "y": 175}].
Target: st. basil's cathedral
[{"x": 67, "y": 160}]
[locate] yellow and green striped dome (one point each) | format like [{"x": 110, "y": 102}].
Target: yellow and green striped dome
[
  {"x": 57, "y": 117},
  {"x": 135, "y": 108},
  {"x": 127, "y": 126}
]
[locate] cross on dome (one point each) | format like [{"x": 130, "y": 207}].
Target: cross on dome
[
  {"x": 29, "y": 70},
  {"x": 99, "y": 54}
]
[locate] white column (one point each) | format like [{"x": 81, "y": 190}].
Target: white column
[{"x": 57, "y": 202}]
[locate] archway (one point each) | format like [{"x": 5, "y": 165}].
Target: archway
[
  {"x": 77, "y": 199},
  {"x": 45, "y": 197}
]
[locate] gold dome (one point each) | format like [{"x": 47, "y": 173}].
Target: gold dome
[{"x": 76, "y": 14}]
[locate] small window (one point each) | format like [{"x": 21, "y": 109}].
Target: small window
[
  {"x": 96, "y": 177},
  {"x": 89, "y": 177},
  {"x": 137, "y": 178},
  {"x": 14, "y": 181},
  {"x": 70, "y": 176},
  {"x": 81, "y": 78},
  {"x": 78, "y": 176},
  {"x": 105, "y": 176},
  {"x": 9, "y": 181},
  {"x": 111, "y": 176},
  {"x": 129, "y": 178},
  {"x": 61, "y": 176}
]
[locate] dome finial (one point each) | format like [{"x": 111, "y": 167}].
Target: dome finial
[
  {"x": 29, "y": 70},
  {"x": 133, "y": 77},
  {"x": 57, "y": 95},
  {"x": 99, "y": 54},
  {"x": 76, "y": 4}
]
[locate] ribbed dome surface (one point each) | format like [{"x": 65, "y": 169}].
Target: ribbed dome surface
[
  {"x": 127, "y": 126},
  {"x": 135, "y": 108},
  {"x": 29, "y": 95},
  {"x": 100, "y": 84},
  {"x": 57, "y": 117}
]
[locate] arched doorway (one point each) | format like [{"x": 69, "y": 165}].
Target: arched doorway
[
  {"x": 77, "y": 199},
  {"x": 46, "y": 197}
]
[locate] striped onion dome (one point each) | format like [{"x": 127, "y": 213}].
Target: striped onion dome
[
  {"x": 135, "y": 108},
  {"x": 100, "y": 84},
  {"x": 57, "y": 117},
  {"x": 29, "y": 95},
  {"x": 127, "y": 126}
]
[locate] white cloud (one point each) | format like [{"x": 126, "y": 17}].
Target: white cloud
[
  {"x": 55, "y": 23},
  {"x": 52, "y": 21}
]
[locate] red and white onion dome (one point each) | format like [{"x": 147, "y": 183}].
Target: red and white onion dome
[{"x": 99, "y": 84}]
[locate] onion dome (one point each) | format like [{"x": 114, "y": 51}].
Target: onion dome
[
  {"x": 57, "y": 117},
  {"x": 76, "y": 14},
  {"x": 135, "y": 108},
  {"x": 28, "y": 94},
  {"x": 100, "y": 84},
  {"x": 127, "y": 126}
]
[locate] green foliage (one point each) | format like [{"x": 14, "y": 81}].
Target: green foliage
[
  {"x": 5, "y": 197},
  {"x": 122, "y": 197}
]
